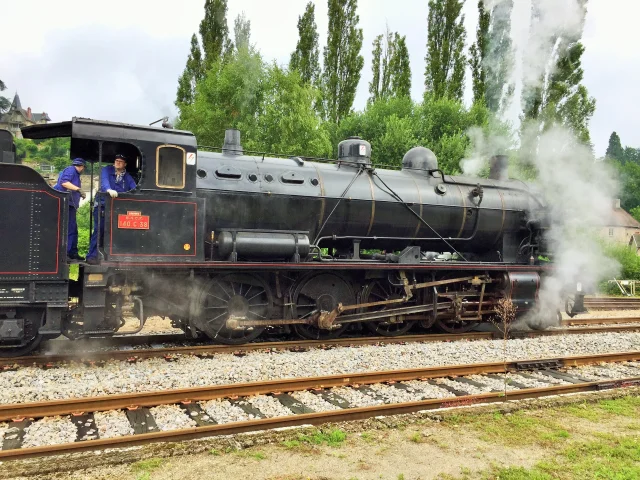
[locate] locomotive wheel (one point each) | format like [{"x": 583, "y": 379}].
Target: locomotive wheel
[
  {"x": 453, "y": 326},
  {"x": 320, "y": 291},
  {"x": 32, "y": 323},
  {"x": 241, "y": 295},
  {"x": 378, "y": 291},
  {"x": 450, "y": 325}
]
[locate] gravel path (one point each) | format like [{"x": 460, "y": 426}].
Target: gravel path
[{"x": 79, "y": 380}]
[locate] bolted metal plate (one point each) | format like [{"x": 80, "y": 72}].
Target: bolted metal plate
[{"x": 12, "y": 329}]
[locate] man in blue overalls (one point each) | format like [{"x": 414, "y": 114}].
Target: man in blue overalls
[
  {"x": 69, "y": 181},
  {"x": 114, "y": 179}
]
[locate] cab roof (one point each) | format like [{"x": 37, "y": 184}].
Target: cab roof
[{"x": 88, "y": 128}]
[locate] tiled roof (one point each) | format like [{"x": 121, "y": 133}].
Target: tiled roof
[{"x": 621, "y": 218}]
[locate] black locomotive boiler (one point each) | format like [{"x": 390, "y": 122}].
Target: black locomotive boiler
[{"x": 229, "y": 243}]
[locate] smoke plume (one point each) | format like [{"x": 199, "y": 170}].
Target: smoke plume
[{"x": 578, "y": 193}]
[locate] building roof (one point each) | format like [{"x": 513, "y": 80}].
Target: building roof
[
  {"x": 16, "y": 105},
  {"x": 635, "y": 240},
  {"x": 37, "y": 117},
  {"x": 621, "y": 218}
]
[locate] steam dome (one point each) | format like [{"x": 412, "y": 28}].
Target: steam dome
[{"x": 419, "y": 158}]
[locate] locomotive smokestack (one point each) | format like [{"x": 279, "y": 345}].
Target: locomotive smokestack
[
  {"x": 232, "y": 144},
  {"x": 499, "y": 168}
]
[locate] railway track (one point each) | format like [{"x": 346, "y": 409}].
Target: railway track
[
  {"x": 599, "y": 321},
  {"x": 612, "y": 303},
  {"x": 304, "y": 401},
  {"x": 97, "y": 357}
]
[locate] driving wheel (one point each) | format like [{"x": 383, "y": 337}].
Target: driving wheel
[
  {"x": 243, "y": 296},
  {"x": 320, "y": 292},
  {"x": 379, "y": 291}
]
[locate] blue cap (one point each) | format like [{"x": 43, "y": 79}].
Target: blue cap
[{"x": 78, "y": 161}]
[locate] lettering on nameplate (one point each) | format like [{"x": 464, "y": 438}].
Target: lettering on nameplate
[{"x": 133, "y": 221}]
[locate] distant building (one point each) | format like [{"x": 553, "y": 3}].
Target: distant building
[
  {"x": 620, "y": 226},
  {"x": 17, "y": 117}
]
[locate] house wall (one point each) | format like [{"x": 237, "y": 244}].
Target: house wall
[{"x": 619, "y": 235}]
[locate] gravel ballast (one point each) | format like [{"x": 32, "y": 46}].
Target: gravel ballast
[
  {"x": 31, "y": 384},
  {"x": 57, "y": 430},
  {"x": 112, "y": 424},
  {"x": 49, "y": 431}
]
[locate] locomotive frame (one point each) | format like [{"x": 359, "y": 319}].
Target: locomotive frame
[{"x": 212, "y": 242}]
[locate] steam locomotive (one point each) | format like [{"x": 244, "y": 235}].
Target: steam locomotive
[{"x": 227, "y": 244}]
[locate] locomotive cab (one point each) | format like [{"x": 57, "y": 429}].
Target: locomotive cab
[{"x": 163, "y": 164}]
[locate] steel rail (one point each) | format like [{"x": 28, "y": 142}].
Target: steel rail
[
  {"x": 248, "y": 347},
  {"x": 163, "y": 397},
  {"x": 599, "y": 321},
  {"x": 208, "y": 350},
  {"x": 317, "y": 418}
]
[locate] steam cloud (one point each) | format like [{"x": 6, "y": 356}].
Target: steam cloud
[
  {"x": 578, "y": 193},
  {"x": 577, "y": 190}
]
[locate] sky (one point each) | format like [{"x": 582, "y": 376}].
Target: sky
[{"x": 120, "y": 60}]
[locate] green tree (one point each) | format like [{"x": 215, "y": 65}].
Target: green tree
[
  {"x": 566, "y": 100},
  {"x": 394, "y": 125},
  {"x": 192, "y": 74},
  {"x": 445, "y": 59},
  {"x": 342, "y": 60},
  {"x": 614, "y": 150},
  {"x": 229, "y": 95},
  {"x": 214, "y": 32},
  {"x": 25, "y": 148},
  {"x": 478, "y": 53},
  {"x": 287, "y": 122},
  {"x": 632, "y": 155},
  {"x": 242, "y": 31},
  {"x": 635, "y": 213},
  {"x": 499, "y": 58},
  {"x": 5, "y": 104},
  {"x": 390, "y": 67},
  {"x": 388, "y": 124},
  {"x": 306, "y": 57},
  {"x": 401, "y": 68}
]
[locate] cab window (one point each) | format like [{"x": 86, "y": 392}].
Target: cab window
[{"x": 170, "y": 167}]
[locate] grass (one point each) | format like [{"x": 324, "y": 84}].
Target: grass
[
  {"x": 519, "y": 428},
  {"x": 144, "y": 468},
  {"x": 332, "y": 438},
  {"x": 615, "y": 458}
]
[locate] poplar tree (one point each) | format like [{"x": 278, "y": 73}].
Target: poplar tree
[
  {"x": 192, "y": 74},
  {"x": 492, "y": 57},
  {"x": 478, "y": 53},
  {"x": 500, "y": 60},
  {"x": 342, "y": 60},
  {"x": 390, "y": 67},
  {"x": 560, "y": 97},
  {"x": 305, "y": 58},
  {"x": 445, "y": 59},
  {"x": 401, "y": 68},
  {"x": 214, "y": 31},
  {"x": 242, "y": 31}
]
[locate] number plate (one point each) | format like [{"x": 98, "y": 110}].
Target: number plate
[{"x": 133, "y": 222}]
